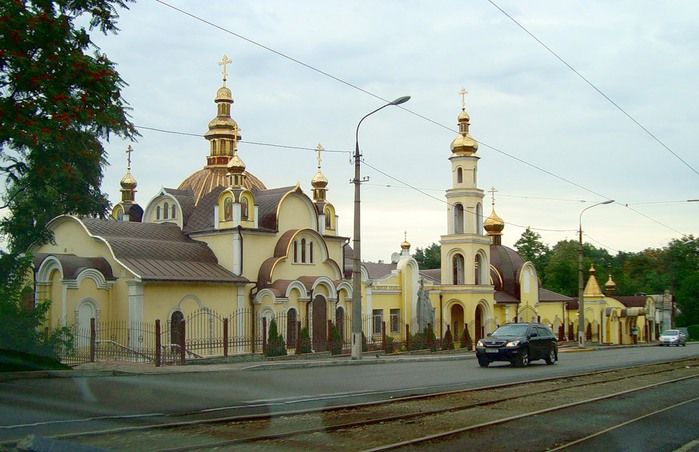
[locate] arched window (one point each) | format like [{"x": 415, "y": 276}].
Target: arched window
[
  {"x": 303, "y": 250},
  {"x": 458, "y": 269},
  {"x": 458, "y": 219},
  {"x": 310, "y": 252},
  {"x": 459, "y": 175},
  {"x": 166, "y": 211},
  {"x": 228, "y": 209},
  {"x": 328, "y": 219},
  {"x": 291, "y": 328},
  {"x": 157, "y": 212},
  {"x": 478, "y": 266},
  {"x": 296, "y": 251},
  {"x": 244, "y": 208},
  {"x": 174, "y": 212}
]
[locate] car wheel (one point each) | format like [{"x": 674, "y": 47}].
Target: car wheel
[
  {"x": 522, "y": 360},
  {"x": 551, "y": 358},
  {"x": 483, "y": 362}
]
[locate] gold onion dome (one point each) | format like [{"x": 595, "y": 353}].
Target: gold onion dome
[
  {"x": 319, "y": 180},
  {"x": 224, "y": 94},
  {"x": 610, "y": 283},
  {"x": 236, "y": 165},
  {"x": 494, "y": 224},
  {"x": 128, "y": 182},
  {"x": 464, "y": 142},
  {"x": 405, "y": 245}
]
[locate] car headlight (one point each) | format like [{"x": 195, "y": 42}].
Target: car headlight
[
  {"x": 480, "y": 344},
  {"x": 512, "y": 344}
]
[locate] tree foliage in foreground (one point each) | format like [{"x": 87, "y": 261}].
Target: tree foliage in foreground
[
  {"x": 428, "y": 258},
  {"x": 59, "y": 98}
]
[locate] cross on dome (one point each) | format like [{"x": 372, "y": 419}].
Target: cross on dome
[
  {"x": 319, "y": 148},
  {"x": 129, "y": 150},
  {"x": 463, "y": 93},
  {"x": 492, "y": 192},
  {"x": 224, "y": 62}
]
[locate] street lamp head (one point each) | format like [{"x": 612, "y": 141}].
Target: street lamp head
[
  {"x": 400, "y": 100},
  {"x": 609, "y": 201}
]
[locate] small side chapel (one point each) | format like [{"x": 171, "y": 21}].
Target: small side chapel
[{"x": 223, "y": 245}]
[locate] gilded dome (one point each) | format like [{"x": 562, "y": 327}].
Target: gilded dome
[
  {"x": 494, "y": 224},
  {"x": 610, "y": 284},
  {"x": 128, "y": 182},
  {"x": 207, "y": 179},
  {"x": 464, "y": 142},
  {"x": 405, "y": 245},
  {"x": 236, "y": 165},
  {"x": 224, "y": 94},
  {"x": 319, "y": 180}
]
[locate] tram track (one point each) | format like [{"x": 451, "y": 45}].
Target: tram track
[{"x": 293, "y": 429}]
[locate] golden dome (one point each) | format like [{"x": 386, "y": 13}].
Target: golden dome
[
  {"x": 205, "y": 180},
  {"x": 463, "y": 143},
  {"x": 610, "y": 284},
  {"x": 128, "y": 182},
  {"x": 405, "y": 245},
  {"x": 236, "y": 165},
  {"x": 224, "y": 94},
  {"x": 494, "y": 224},
  {"x": 319, "y": 180}
]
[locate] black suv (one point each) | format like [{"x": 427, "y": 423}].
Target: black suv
[{"x": 518, "y": 343}]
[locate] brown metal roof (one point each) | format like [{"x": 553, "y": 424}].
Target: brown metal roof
[
  {"x": 550, "y": 296},
  {"x": 378, "y": 270},
  {"x": 268, "y": 202},
  {"x": 508, "y": 263},
  {"x": 434, "y": 274},
  {"x": 160, "y": 252},
  {"x": 207, "y": 179},
  {"x": 504, "y": 297},
  {"x": 186, "y": 200},
  {"x": 202, "y": 216},
  {"x": 632, "y": 301}
]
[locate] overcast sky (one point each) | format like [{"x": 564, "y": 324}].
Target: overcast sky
[{"x": 522, "y": 101}]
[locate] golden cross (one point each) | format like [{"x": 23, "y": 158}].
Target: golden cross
[
  {"x": 224, "y": 62},
  {"x": 405, "y": 236},
  {"x": 463, "y": 93},
  {"x": 129, "y": 150},
  {"x": 319, "y": 148},
  {"x": 492, "y": 196}
]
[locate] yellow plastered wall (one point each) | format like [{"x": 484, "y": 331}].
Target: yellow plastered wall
[
  {"x": 296, "y": 211},
  {"x": 161, "y": 299}
]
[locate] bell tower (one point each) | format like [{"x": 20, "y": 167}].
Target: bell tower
[{"x": 465, "y": 249}]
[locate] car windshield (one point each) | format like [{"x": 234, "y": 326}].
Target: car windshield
[
  {"x": 511, "y": 330},
  {"x": 671, "y": 333}
]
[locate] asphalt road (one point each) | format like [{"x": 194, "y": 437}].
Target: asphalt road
[{"x": 50, "y": 406}]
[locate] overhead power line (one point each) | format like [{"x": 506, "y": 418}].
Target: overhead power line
[
  {"x": 594, "y": 87},
  {"x": 369, "y": 93}
]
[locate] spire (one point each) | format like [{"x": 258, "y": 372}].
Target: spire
[
  {"x": 224, "y": 133},
  {"x": 464, "y": 144},
  {"x": 319, "y": 181},
  {"x": 610, "y": 287},
  {"x": 494, "y": 224},
  {"x": 592, "y": 288},
  {"x": 128, "y": 182}
]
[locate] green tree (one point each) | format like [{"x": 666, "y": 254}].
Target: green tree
[
  {"x": 275, "y": 341},
  {"x": 430, "y": 257},
  {"x": 59, "y": 97},
  {"x": 531, "y": 248},
  {"x": 561, "y": 273},
  {"x": 682, "y": 258}
]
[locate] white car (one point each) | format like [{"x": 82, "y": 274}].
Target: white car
[{"x": 673, "y": 337}]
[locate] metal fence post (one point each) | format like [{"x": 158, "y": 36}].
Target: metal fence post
[
  {"x": 93, "y": 340},
  {"x": 383, "y": 336},
  {"x": 225, "y": 337},
  {"x": 407, "y": 336},
  {"x": 158, "y": 345}
]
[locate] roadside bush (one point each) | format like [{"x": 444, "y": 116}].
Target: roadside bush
[
  {"x": 304, "y": 342},
  {"x": 430, "y": 338},
  {"x": 466, "y": 341},
  {"x": 693, "y": 332},
  {"x": 417, "y": 341},
  {"x": 335, "y": 341},
  {"x": 388, "y": 343},
  {"x": 275, "y": 341},
  {"x": 448, "y": 341}
]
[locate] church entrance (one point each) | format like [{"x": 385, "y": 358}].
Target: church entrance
[
  {"x": 457, "y": 322},
  {"x": 479, "y": 323},
  {"x": 320, "y": 318},
  {"x": 175, "y": 327}
]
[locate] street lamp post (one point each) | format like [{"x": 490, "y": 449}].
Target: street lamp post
[
  {"x": 581, "y": 300},
  {"x": 356, "y": 244}
]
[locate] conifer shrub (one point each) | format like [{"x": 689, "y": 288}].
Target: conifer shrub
[
  {"x": 304, "y": 342},
  {"x": 430, "y": 338},
  {"x": 335, "y": 341},
  {"x": 693, "y": 333},
  {"x": 448, "y": 341},
  {"x": 466, "y": 341},
  {"x": 275, "y": 341},
  {"x": 388, "y": 343}
]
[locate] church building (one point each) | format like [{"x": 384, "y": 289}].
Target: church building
[{"x": 222, "y": 245}]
